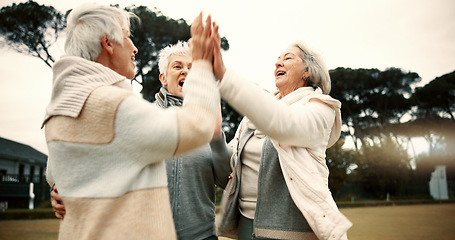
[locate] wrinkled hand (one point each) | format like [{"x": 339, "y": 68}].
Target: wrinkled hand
[
  {"x": 57, "y": 204},
  {"x": 218, "y": 65},
  {"x": 201, "y": 39}
]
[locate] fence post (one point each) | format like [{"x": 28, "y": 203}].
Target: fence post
[
  {"x": 32, "y": 197},
  {"x": 4, "y": 205}
]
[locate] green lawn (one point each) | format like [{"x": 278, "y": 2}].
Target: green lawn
[
  {"x": 429, "y": 222},
  {"x": 411, "y": 222},
  {"x": 402, "y": 222}
]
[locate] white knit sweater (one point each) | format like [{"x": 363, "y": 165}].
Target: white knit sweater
[{"x": 107, "y": 146}]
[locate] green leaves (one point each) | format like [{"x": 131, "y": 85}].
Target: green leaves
[{"x": 31, "y": 28}]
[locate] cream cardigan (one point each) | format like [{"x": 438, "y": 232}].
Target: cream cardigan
[
  {"x": 107, "y": 148},
  {"x": 301, "y": 137}
]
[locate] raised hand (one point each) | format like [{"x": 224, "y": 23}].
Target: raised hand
[
  {"x": 201, "y": 39},
  {"x": 218, "y": 65}
]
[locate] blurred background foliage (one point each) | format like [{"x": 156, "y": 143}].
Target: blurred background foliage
[{"x": 382, "y": 111}]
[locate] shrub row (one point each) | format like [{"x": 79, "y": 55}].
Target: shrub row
[
  {"x": 44, "y": 213},
  {"x": 14, "y": 214}
]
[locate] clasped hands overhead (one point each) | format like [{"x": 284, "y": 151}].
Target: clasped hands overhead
[{"x": 206, "y": 44}]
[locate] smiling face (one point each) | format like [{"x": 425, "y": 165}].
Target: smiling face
[
  {"x": 290, "y": 72},
  {"x": 176, "y": 73},
  {"x": 122, "y": 60}
]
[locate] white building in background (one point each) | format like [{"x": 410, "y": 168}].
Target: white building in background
[{"x": 438, "y": 183}]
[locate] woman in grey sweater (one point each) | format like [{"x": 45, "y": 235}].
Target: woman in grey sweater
[{"x": 191, "y": 177}]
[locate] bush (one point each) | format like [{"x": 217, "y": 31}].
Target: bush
[{"x": 14, "y": 214}]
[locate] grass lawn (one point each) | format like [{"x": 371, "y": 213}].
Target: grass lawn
[
  {"x": 429, "y": 222},
  {"x": 411, "y": 222},
  {"x": 402, "y": 222},
  {"x": 41, "y": 229}
]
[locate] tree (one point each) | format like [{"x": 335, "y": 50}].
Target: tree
[
  {"x": 374, "y": 103},
  {"x": 231, "y": 120},
  {"x": 339, "y": 161},
  {"x": 433, "y": 114},
  {"x": 383, "y": 168},
  {"x": 31, "y": 29},
  {"x": 348, "y": 86},
  {"x": 437, "y": 98},
  {"x": 372, "y": 100}
]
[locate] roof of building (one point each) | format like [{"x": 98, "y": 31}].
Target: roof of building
[{"x": 14, "y": 151}]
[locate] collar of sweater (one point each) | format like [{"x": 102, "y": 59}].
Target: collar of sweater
[
  {"x": 74, "y": 78},
  {"x": 297, "y": 94},
  {"x": 164, "y": 99},
  {"x": 303, "y": 95},
  {"x": 289, "y": 99}
]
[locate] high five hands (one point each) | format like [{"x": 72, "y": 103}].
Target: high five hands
[
  {"x": 206, "y": 44},
  {"x": 201, "y": 38}
]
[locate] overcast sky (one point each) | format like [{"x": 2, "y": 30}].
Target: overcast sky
[{"x": 414, "y": 35}]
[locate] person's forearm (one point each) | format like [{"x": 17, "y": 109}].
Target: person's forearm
[
  {"x": 298, "y": 126},
  {"x": 196, "y": 117},
  {"x": 221, "y": 154}
]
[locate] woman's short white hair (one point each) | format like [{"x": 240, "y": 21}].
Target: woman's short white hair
[
  {"x": 86, "y": 25},
  {"x": 180, "y": 48},
  {"x": 313, "y": 62}
]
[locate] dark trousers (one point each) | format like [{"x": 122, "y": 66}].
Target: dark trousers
[
  {"x": 246, "y": 229},
  {"x": 211, "y": 238}
]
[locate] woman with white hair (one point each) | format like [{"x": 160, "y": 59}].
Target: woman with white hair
[
  {"x": 191, "y": 177},
  {"x": 107, "y": 145},
  {"x": 279, "y": 185}
]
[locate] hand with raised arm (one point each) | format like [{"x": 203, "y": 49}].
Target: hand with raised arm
[
  {"x": 218, "y": 65},
  {"x": 201, "y": 39}
]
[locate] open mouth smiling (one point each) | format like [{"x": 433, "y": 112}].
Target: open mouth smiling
[{"x": 280, "y": 73}]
